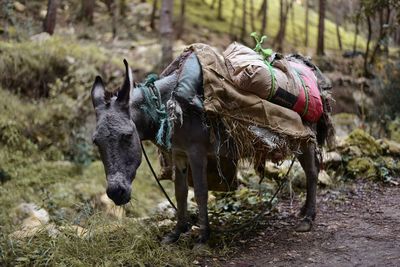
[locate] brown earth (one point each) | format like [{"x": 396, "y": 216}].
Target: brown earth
[{"x": 355, "y": 226}]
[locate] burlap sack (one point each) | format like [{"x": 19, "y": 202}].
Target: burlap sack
[{"x": 247, "y": 70}]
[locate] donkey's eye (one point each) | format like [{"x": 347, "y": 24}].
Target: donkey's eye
[{"x": 127, "y": 137}]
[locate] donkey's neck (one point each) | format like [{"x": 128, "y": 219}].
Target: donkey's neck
[{"x": 145, "y": 126}]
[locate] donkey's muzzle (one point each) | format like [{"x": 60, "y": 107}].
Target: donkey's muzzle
[{"x": 119, "y": 193}]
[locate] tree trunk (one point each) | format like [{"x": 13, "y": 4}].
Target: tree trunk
[
  {"x": 321, "y": 28},
  {"x": 113, "y": 11},
  {"x": 283, "y": 13},
  {"x": 252, "y": 19},
  {"x": 122, "y": 8},
  {"x": 220, "y": 4},
  {"x": 306, "y": 23},
  {"x": 213, "y": 4},
  {"x": 382, "y": 34},
  {"x": 87, "y": 9},
  {"x": 264, "y": 8},
  {"x": 356, "y": 33},
  {"x": 339, "y": 38},
  {"x": 233, "y": 20},
  {"x": 181, "y": 25},
  {"x": 244, "y": 15},
  {"x": 366, "y": 68},
  {"x": 292, "y": 22},
  {"x": 153, "y": 15},
  {"x": 49, "y": 23},
  {"x": 166, "y": 32}
]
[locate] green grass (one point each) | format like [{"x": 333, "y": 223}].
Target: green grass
[{"x": 205, "y": 17}]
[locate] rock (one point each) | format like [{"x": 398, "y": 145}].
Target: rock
[
  {"x": 392, "y": 147},
  {"x": 32, "y": 219},
  {"x": 19, "y": 7},
  {"x": 345, "y": 123},
  {"x": 165, "y": 209},
  {"x": 31, "y": 213},
  {"x": 332, "y": 158},
  {"x": 165, "y": 223},
  {"x": 324, "y": 178},
  {"x": 108, "y": 206},
  {"x": 43, "y": 36},
  {"x": 364, "y": 142},
  {"x": 363, "y": 167},
  {"x": 394, "y": 130}
]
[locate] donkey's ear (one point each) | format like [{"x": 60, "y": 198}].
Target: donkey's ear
[
  {"x": 123, "y": 94},
  {"x": 98, "y": 92}
]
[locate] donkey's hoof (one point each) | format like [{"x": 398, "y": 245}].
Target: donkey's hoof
[
  {"x": 304, "y": 226},
  {"x": 170, "y": 238}
]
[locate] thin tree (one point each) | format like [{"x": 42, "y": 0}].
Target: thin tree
[
  {"x": 283, "y": 14},
  {"x": 244, "y": 15},
  {"x": 383, "y": 28},
  {"x": 233, "y": 20},
  {"x": 49, "y": 23},
  {"x": 181, "y": 24},
  {"x": 367, "y": 73},
  {"x": 264, "y": 11},
  {"x": 356, "y": 32},
  {"x": 113, "y": 12},
  {"x": 321, "y": 28},
  {"x": 292, "y": 20},
  {"x": 87, "y": 10},
  {"x": 307, "y": 6},
  {"x": 213, "y": 4},
  {"x": 220, "y": 7},
  {"x": 153, "y": 15},
  {"x": 339, "y": 38},
  {"x": 252, "y": 19},
  {"x": 166, "y": 31}
]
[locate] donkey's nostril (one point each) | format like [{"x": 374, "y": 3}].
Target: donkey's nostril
[{"x": 118, "y": 194}]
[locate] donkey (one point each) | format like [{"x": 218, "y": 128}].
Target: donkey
[{"x": 122, "y": 123}]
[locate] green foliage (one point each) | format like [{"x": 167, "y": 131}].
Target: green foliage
[
  {"x": 202, "y": 15},
  {"x": 50, "y": 67},
  {"x": 102, "y": 243}
]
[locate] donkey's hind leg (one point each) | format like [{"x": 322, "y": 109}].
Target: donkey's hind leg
[
  {"x": 181, "y": 193},
  {"x": 310, "y": 163}
]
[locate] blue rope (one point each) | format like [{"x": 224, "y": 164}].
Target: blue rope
[{"x": 154, "y": 107}]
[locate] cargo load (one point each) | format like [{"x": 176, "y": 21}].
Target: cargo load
[{"x": 285, "y": 81}]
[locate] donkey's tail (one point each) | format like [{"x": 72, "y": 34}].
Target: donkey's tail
[{"x": 325, "y": 129}]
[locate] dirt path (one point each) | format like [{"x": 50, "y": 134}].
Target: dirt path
[{"x": 357, "y": 226}]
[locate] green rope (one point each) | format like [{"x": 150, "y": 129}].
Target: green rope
[
  {"x": 305, "y": 92},
  {"x": 265, "y": 53},
  {"x": 154, "y": 107}
]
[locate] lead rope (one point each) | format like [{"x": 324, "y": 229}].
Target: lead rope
[{"x": 155, "y": 177}]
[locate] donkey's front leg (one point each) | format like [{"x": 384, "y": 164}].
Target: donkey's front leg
[
  {"x": 181, "y": 193},
  {"x": 310, "y": 163},
  {"x": 197, "y": 156}
]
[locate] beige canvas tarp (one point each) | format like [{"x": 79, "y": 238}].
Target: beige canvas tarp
[{"x": 222, "y": 98}]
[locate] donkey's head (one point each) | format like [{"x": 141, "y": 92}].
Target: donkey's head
[{"x": 116, "y": 137}]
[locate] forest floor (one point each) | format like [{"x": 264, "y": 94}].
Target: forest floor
[{"x": 356, "y": 226}]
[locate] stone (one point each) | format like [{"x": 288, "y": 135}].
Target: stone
[
  {"x": 345, "y": 123},
  {"x": 43, "y": 36},
  {"x": 19, "y": 6},
  {"x": 324, "y": 178},
  {"x": 332, "y": 158},
  {"x": 31, "y": 213}
]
